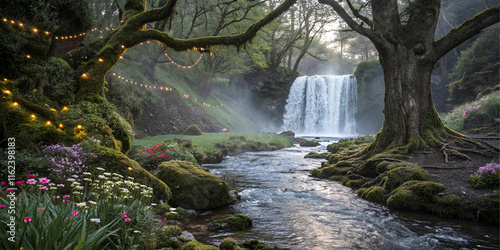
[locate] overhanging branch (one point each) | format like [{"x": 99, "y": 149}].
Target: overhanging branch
[{"x": 465, "y": 31}]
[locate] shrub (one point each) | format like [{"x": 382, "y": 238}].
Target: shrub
[
  {"x": 487, "y": 176},
  {"x": 192, "y": 130},
  {"x": 235, "y": 222},
  {"x": 67, "y": 160}
]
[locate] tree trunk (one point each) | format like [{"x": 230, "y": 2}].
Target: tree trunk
[{"x": 411, "y": 121}]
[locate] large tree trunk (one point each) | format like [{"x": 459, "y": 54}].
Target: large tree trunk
[{"x": 411, "y": 121}]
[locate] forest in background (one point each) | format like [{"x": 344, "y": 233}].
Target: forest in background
[{"x": 252, "y": 80}]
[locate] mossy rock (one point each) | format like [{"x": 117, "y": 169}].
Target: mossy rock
[
  {"x": 427, "y": 188},
  {"x": 405, "y": 185},
  {"x": 329, "y": 171},
  {"x": 333, "y": 148},
  {"x": 382, "y": 166},
  {"x": 192, "y": 130},
  {"x": 404, "y": 199},
  {"x": 354, "y": 183},
  {"x": 167, "y": 237},
  {"x": 161, "y": 208},
  {"x": 336, "y": 178},
  {"x": 257, "y": 245},
  {"x": 193, "y": 187},
  {"x": 361, "y": 191},
  {"x": 401, "y": 173},
  {"x": 315, "y": 155},
  {"x": 309, "y": 143},
  {"x": 235, "y": 222},
  {"x": 195, "y": 245},
  {"x": 489, "y": 208},
  {"x": 288, "y": 134},
  {"x": 228, "y": 244},
  {"x": 375, "y": 194},
  {"x": 208, "y": 156},
  {"x": 332, "y": 158},
  {"x": 116, "y": 162}
]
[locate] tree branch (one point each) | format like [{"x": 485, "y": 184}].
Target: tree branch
[
  {"x": 236, "y": 40},
  {"x": 120, "y": 9},
  {"x": 465, "y": 31},
  {"x": 358, "y": 15},
  {"x": 153, "y": 15}
]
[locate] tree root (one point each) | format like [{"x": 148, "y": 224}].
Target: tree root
[{"x": 385, "y": 159}]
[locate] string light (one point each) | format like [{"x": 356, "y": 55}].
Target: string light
[
  {"x": 61, "y": 125},
  {"x": 84, "y": 75},
  {"x": 166, "y": 89},
  {"x": 7, "y": 92},
  {"x": 33, "y": 116},
  {"x": 100, "y": 60},
  {"x": 79, "y": 126},
  {"x": 180, "y": 66},
  {"x": 64, "y": 108},
  {"x": 48, "y": 123},
  {"x": 15, "y": 104},
  {"x": 28, "y": 56}
]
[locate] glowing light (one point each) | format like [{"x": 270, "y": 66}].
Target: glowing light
[
  {"x": 5, "y": 20},
  {"x": 121, "y": 57},
  {"x": 34, "y": 90},
  {"x": 7, "y": 92},
  {"x": 35, "y": 30},
  {"x": 20, "y": 24},
  {"x": 61, "y": 125},
  {"x": 84, "y": 75},
  {"x": 100, "y": 60},
  {"x": 53, "y": 110},
  {"x": 48, "y": 123},
  {"x": 123, "y": 46},
  {"x": 46, "y": 32},
  {"x": 12, "y": 21},
  {"x": 28, "y": 56},
  {"x": 15, "y": 104},
  {"x": 5, "y": 79},
  {"x": 130, "y": 168},
  {"x": 33, "y": 116},
  {"x": 64, "y": 108},
  {"x": 79, "y": 126}
]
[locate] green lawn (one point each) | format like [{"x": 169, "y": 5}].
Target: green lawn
[{"x": 208, "y": 140}]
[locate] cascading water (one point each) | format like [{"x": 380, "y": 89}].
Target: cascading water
[{"x": 322, "y": 105}]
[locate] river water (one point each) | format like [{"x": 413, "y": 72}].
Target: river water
[{"x": 291, "y": 209}]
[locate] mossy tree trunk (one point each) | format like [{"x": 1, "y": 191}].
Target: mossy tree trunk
[
  {"x": 132, "y": 32},
  {"x": 407, "y": 53}
]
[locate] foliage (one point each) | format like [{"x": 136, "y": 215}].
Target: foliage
[
  {"x": 487, "y": 176},
  {"x": 67, "y": 160},
  {"x": 476, "y": 68},
  {"x": 474, "y": 115},
  {"x": 228, "y": 244},
  {"x": 307, "y": 143}
]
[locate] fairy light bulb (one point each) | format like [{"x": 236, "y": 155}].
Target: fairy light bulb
[
  {"x": 84, "y": 75},
  {"x": 61, "y": 125},
  {"x": 48, "y": 123}
]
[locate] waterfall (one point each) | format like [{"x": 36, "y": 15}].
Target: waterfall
[{"x": 322, "y": 105}]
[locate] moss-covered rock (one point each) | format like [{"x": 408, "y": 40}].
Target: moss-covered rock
[
  {"x": 192, "y": 130},
  {"x": 405, "y": 185},
  {"x": 489, "y": 208},
  {"x": 404, "y": 199},
  {"x": 427, "y": 188},
  {"x": 235, "y": 222},
  {"x": 228, "y": 244},
  {"x": 333, "y": 148},
  {"x": 402, "y": 172},
  {"x": 116, "y": 162},
  {"x": 315, "y": 155},
  {"x": 353, "y": 182},
  {"x": 288, "y": 134},
  {"x": 195, "y": 245},
  {"x": 309, "y": 143},
  {"x": 168, "y": 237},
  {"x": 328, "y": 171},
  {"x": 193, "y": 187},
  {"x": 332, "y": 158},
  {"x": 257, "y": 245},
  {"x": 208, "y": 156},
  {"x": 375, "y": 194}
]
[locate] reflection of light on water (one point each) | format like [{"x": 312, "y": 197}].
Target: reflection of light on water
[{"x": 291, "y": 209}]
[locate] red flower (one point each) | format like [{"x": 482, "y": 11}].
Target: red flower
[
  {"x": 30, "y": 176},
  {"x": 21, "y": 182},
  {"x": 10, "y": 191},
  {"x": 164, "y": 219},
  {"x": 127, "y": 219},
  {"x": 2, "y": 206},
  {"x": 27, "y": 219}
]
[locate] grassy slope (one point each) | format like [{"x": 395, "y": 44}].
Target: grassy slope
[{"x": 208, "y": 140}]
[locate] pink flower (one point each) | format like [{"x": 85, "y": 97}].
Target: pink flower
[
  {"x": 66, "y": 196},
  {"x": 71, "y": 217},
  {"x": 44, "y": 180},
  {"x": 10, "y": 191},
  {"x": 2, "y": 206},
  {"x": 127, "y": 219},
  {"x": 170, "y": 150},
  {"x": 75, "y": 213},
  {"x": 67, "y": 201},
  {"x": 41, "y": 209},
  {"x": 124, "y": 215},
  {"x": 30, "y": 176},
  {"x": 168, "y": 156},
  {"x": 27, "y": 219},
  {"x": 164, "y": 219},
  {"x": 2, "y": 183},
  {"x": 60, "y": 185},
  {"x": 21, "y": 182},
  {"x": 42, "y": 187},
  {"x": 31, "y": 181}
]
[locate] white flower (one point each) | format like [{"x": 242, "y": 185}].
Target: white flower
[
  {"x": 82, "y": 204},
  {"x": 143, "y": 186},
  {"x": 172, "y": 209},
  {"x": 101, "y": 169},
  {"x": 107, "y": 174},
  {"x": 75, "y": 184},
  {"x": 95, "y": 220},
  {"x": 51, "y": 184},
  {"x": 86, "y": 173},
  {"x": 130, "y": 178},
  {"x": 75, "y": 176},
  {"x": 76, "y": 192},
  {"x": 53, "y": 188},
  {"x": 119, "y": 182},
  {"x": 153, "y": 204},
  {"x": 93, "y": 203},
  {"x": 78, "y": 188},
  {"x": 125, "y": 190},
  {"x": 101, "y": 176},
  {"x": 87, "y": 179},
  {"x": 71, "y": 180},
  {"x": 137, "y": 231}
]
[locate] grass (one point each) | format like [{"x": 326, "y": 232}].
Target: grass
[{"x": 208, "y": 140}]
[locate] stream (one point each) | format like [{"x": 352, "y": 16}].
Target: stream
[{"x": 291, "y": 209}]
